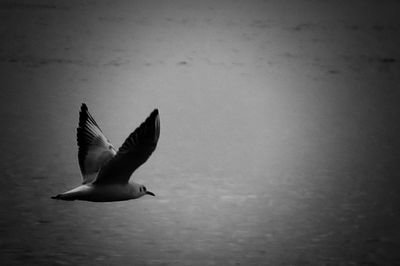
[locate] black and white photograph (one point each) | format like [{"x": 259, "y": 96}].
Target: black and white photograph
[{"x": 206, "y": 133}]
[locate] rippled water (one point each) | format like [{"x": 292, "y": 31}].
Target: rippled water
[{"x": 279, "y": 141}]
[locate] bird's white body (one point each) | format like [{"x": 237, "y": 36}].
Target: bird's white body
[{"x": 103, "y": 193}]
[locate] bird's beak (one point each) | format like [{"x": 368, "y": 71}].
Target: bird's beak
[{"x": 150, "y": 193}]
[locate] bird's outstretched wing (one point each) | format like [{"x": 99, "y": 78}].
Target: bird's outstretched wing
[
  {"x": 94, "y": 148},
  {"x": 136, "y": 149}
]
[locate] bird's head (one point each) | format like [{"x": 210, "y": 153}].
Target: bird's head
[{"x": 142, "y": 190}]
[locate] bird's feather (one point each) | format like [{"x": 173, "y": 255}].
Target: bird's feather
[
  {"x": 94, "y": 148},
  {"x": 136, "y": 149}
]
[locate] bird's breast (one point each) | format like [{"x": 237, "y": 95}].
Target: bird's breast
[
  {"x": 104, "y": 193},
  {"x": 99, "y": 193}
]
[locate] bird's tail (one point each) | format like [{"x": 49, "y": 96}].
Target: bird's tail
[
  {"x": 64, "y": 196},
  {"x": 56, "y": 196}
]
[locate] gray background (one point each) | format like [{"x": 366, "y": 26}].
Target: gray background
[{"x": 279, "y": 131}]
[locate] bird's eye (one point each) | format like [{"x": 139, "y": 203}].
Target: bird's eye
[{"x": 144, "y": 188}]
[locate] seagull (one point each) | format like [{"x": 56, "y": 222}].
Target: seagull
[{"x": 106, "y": 172}]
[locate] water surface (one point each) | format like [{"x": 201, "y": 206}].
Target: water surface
[{"x": 279, "y": 131}]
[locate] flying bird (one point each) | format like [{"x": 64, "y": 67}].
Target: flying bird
[{"x": 106, "y": 172}]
